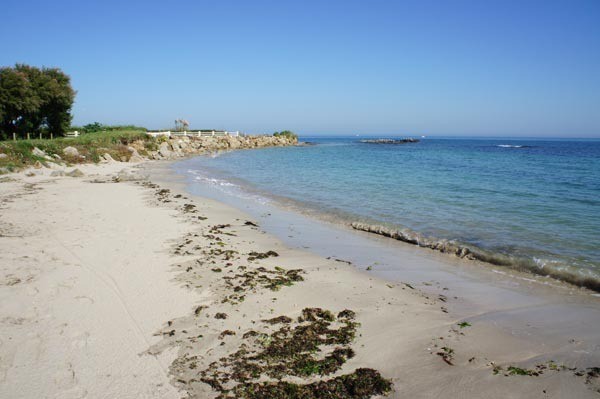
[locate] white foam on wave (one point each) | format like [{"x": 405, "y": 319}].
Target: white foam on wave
[
  {"x": 215, "y": 182},
  {"x": 228, "y": 188},
  {"x": 509, "y": 146}
]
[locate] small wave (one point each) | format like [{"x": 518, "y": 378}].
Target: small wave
[
  {"x": 215, "y": 182},
  {"x": 535, "y": 265},
  {"x": 229, "y": 188},
  {"x": 512, "y": 146}
]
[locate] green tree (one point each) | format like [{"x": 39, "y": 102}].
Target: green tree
[
  {"x": 34, "y": 99},
  {"x": 17, "y": 100}
]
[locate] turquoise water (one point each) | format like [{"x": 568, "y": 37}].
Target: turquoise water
[{"x": 535, "y": 202}]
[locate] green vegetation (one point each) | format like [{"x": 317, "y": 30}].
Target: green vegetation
[
  {"x": 98, "y": 127},
  {"x": 34, "y": 100},
  {"x": 464, "y": 324},
  {"x": 18, "y": 154},
  {"x": 286, "y": 133}
]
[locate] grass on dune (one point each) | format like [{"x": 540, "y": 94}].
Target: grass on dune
[{"x": 90, "y": 146}]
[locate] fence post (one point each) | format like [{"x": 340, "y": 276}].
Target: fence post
[
  {"x": 28, "y": 136},
  {"x": 14, "y": 136},
  {"x": 40, "y": 135},
  {"x": 51, "y": 136}
]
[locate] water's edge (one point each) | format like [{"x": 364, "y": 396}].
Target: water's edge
[
  {"x": 449, "y": 247},
  {"x": 473, "y": 253}
]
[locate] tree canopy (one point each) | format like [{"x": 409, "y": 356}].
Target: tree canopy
[{"x": 34, "y": 99}]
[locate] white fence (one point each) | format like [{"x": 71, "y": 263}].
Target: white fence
[{"x": 212, "y": 133}]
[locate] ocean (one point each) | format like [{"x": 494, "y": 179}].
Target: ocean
[{"x": 523, "y": 203}]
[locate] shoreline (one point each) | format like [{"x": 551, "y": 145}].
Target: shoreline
[
  {"x": 451, "y": 247},
  {"x": 402, "y": 334},
  {"x": 567, "y": 256}
]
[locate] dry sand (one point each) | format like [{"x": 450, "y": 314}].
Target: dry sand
[{"x": 110, "y": 290}]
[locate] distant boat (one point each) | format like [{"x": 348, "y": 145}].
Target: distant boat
[{"x": 423, "y": 137}]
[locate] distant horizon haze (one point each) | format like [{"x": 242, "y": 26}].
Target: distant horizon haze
[{"x": 405, "y": 68}]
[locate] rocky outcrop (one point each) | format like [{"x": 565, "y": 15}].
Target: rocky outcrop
[
  {"x": 173, "y": 148},
  {"x": 390, "y": 141},
  {"x": 178, "y": 147}
]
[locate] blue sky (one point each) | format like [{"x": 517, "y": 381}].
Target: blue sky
[{"x": 522, "y": 68}]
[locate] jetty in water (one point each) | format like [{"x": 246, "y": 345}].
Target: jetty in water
[{"x": 390, "y": 141}]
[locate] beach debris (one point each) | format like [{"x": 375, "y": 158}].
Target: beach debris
[
  {"x": 464, "y": 324},
  {"x": 261, "y": 255},
  {"x": 199, "y": 309},
  {"x": 226, "y": 333},
  {"x": 189, "y": 208},
  {"x": 278, "y": 320},
  {"x": 363, "y": 383},
  {"x": 447, "y": 354},
  {"x": 340, "y": 260},
  {"x": 249, "y": 223},
  {"x": 221, "y": 316},
  {"x": 317, "y": 344},
  {"x": 263, "y": 277},
  {"x": 163, "y": 195}
]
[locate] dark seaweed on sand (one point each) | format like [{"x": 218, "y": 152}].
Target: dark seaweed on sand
[{"x": 317, "y": 344}]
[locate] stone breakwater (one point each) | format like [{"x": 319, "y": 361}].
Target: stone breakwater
[
  {"x": 474, "y": 253},
  {"x": 178, "y": 147}
]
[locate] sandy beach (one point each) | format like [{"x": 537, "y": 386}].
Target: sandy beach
[{"x": 133, "y": 288}]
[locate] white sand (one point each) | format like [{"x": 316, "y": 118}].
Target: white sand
[{"x": 87, "y": 280}]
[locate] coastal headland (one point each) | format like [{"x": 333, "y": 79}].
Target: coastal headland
[{"x": 116, "y": 282}]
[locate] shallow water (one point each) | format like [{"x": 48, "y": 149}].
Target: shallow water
[{"x": 536, "y": 201}]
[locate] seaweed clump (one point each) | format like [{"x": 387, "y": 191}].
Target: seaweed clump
[
  {"x": 316, "y": 344},
  {"x": 261, "y": 255},
  {"x": 361, "y": 384},
  {"x": 261, "y": 277}
]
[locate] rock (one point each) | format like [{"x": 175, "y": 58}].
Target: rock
[
  {"x": 136, "y": 158},
  {"x": 164, "y": 150},
  {"x": 2, "y": 156},
  {"x": 71, "y": 151},
  {"x": 390, "y": 141},
  {"x": 107, "y": 158},
  {"x": 56, "y": 156},
  {"x": 57, "y": 173},
  {"x": 75, "y": 173},
  {"x": 38, "y": 165},
  {"x": 38, "y": 153}
]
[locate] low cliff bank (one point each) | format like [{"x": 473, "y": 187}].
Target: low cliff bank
[{"x": 121, "y": 147}]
